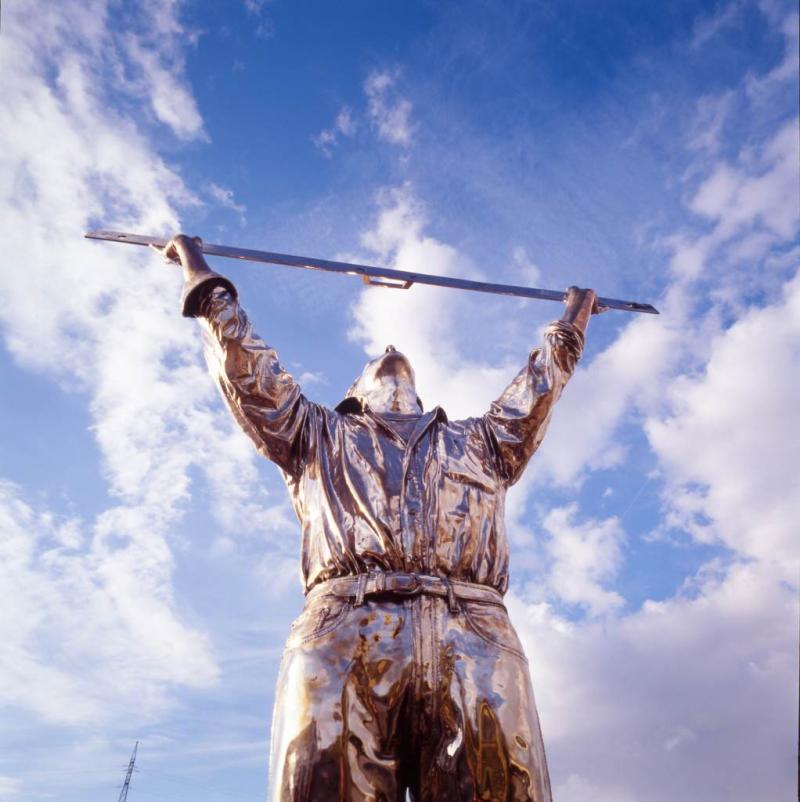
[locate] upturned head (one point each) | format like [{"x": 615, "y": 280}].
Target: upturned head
[{"x": 387, "y": 384}]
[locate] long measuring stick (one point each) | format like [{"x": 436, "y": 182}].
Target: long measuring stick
[{"x": 375, "y": 276}]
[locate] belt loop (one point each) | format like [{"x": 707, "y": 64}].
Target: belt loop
[
  {"x": 361, "y": 589},
  {"x": 452, "y": 600}
]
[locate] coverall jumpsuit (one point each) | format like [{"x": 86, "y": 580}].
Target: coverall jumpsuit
[{"x": 403, "y": 672}]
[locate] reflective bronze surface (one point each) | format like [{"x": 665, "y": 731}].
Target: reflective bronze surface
[
  {"x": 390, "y": 681},
  {"x": 402, "y": 693}
]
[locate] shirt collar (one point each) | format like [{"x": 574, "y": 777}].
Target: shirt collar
[{"x": 353, "y": 406}]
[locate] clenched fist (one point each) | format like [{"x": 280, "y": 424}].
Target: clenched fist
[{"x": 187, "y": 252}]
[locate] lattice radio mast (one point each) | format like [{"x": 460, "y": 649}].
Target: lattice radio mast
[{"x": 123, "y": 794}]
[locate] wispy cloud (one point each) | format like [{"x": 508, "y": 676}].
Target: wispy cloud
[
  {"x": 161, "y": 84},
  {"x": 389, "y": 112},
  {"x": 343, "y": 126},
  {"x": 265, "y": 29},
  {"x": 707, "y": 27},
  {"x": 226, "y": 198}
]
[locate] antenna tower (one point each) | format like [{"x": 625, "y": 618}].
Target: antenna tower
[{"x": 123, "y": 794}]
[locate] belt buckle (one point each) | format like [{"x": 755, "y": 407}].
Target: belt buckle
[{"x": 407, "y": 584}]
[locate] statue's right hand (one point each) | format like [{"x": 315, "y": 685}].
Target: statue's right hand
[{"x": 179, "y": 247}]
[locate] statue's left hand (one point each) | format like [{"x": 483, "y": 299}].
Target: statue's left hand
[
  {"x": 577, "y": 297},
  {"x": 581, "y": 304},
  {"x": 180, "y": 248}
]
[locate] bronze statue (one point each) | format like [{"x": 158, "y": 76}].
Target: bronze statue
[{"x": 403, "y": 672}]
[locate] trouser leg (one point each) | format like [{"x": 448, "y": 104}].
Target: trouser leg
[
  {"x": 337, "y": 733},
  {"x": 484, "y": 741}
]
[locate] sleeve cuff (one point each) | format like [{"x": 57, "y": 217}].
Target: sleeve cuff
[
  {"x": 196, "y": 291},
  {"x": 566, "y": 341},
  {"x": 567, "y": 331}
]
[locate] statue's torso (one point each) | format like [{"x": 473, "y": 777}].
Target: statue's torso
[{"x": 372, "y": 497}]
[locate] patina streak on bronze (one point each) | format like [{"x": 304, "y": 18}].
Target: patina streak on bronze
[{"x": 403, "y": 672}]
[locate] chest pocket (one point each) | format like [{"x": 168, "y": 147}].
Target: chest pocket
[{"x": 468, "y": 460}]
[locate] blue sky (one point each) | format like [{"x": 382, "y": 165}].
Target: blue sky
[{"x": 148, "y": 558}]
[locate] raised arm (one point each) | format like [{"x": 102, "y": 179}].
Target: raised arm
[
  {"x": 517, "y": 421},
  {"x": 265, "y": 399}
]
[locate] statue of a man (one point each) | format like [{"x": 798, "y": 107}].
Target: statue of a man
[{"x": 403, "y": 672}]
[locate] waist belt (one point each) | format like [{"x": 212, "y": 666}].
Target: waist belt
[{"x": 398, "y": 583}]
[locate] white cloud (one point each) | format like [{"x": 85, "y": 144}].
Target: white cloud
[
  {"x": 651, "y": 693},
  {"x": 389, "y": 112},
  {"x": 344, "y": 122},
  {"x": 756, "y": 196},
  {"x": 732, "y": 435},
  {"x": 578, "y": 789},
  {"x": 89, "y": 625},
  {"x": 584, "y": 558},
  {"x": 761, "y": 190},
  {"x": 311, "y": 377},
  {"x": 679, "y": 700},
  {"x": 343, "y": 125},
  {"x": 683, "y": 697}
]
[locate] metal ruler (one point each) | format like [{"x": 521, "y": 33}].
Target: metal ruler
[{"x": 375, "y": 276}]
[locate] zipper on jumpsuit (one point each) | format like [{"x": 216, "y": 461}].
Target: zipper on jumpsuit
[{"x": 424, "y": 637}]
